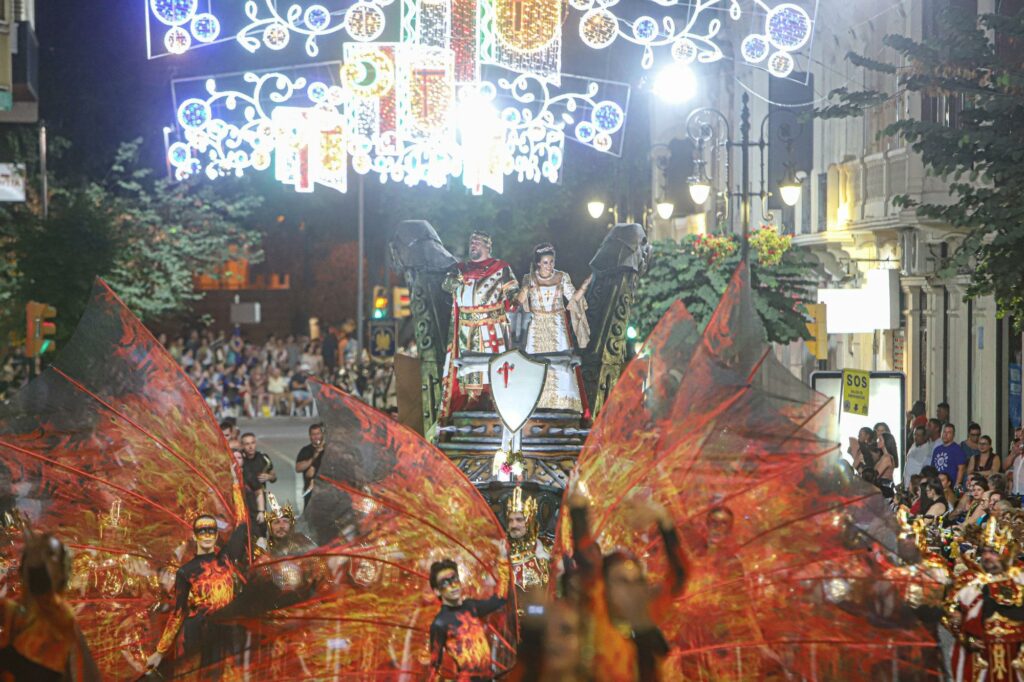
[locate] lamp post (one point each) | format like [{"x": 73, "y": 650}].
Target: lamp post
[{"x": 701, "y": 129}]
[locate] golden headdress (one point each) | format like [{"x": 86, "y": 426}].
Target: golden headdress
[
  {"x": 997, "y": 538},
  {"x": 276, "y": 511},
  {"x": 518, "y": 503},
  {"x": 482, "y": 237}
]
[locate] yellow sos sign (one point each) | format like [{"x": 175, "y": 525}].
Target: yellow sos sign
[{"x": 856, "y": 389}]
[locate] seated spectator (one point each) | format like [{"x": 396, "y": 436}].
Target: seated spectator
[
  {"x": 311, "y": 359},
  {"x": 977, "y": 497},
  {"x": 928, "y": 473},
  {"x": 997, "y": 483},
  {"x": 259, "y": 395},
  {"x": 277, "y": 388},
  {"x": 934, "y": 504},
  {"x": 947, "y": 489},
  {"x": 984, "y": 459},
  {"x": 299, "y": 387}
]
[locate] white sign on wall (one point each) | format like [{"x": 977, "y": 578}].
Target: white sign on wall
[
  {"x": 12, "y": 182},
  {"x": 876, "y": 305}
]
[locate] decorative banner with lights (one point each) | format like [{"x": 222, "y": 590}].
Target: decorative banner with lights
[
  {"x": 463, "y": 88},
  {"x": 779, "y": 33},
  {"x": 393, "y": 110}
]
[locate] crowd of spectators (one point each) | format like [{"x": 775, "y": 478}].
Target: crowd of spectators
[
  {"x": 241, "y": 377},
  {"x": 959, "y": 481}
]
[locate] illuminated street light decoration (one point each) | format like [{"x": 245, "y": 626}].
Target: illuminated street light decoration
[
  {"x": 362, "y": 21},
  {"x": 416, "y": 111},
  {"x": 392, "y": 110},
  {"x": 182, "y": 24},
  {"x": 779, "y": 32}
]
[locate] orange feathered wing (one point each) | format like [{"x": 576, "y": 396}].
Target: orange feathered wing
[
  {"x": 114, "y": 450},
  {"x": 706, "y": 420}
]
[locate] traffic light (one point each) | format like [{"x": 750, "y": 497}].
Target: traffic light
[
  {"x": 39, "y": 328},
  {"x": 817, "y": 345},
  {"x": 401, "y": 301},
  {"x": 380, "y": 302}
]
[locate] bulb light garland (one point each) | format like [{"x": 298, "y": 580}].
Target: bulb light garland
[
  {"x": 780, "y": 31},
  {"x": 400, "y": 120},
  {"x": 415, "y": 111}
]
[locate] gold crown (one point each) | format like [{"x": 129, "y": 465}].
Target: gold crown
[
  {"x": 275, "y": 510},
  {"x": 521, "y": 504},
  {"x": 996, "y": 537},
  {"x": 482, "y": 237}
]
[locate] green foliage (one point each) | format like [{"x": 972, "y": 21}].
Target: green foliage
[
  {"x": 981, "y": 156},
  {"x": 146, "y": 237},
  {"x": 686, "y": 271}
]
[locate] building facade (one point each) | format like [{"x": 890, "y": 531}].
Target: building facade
[
  {"x": 950, "y": 349},
  {"x": 19, "y": 62}
]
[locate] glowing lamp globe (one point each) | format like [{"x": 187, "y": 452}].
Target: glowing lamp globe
[
  {"x": 700, "y": 190},
  {"x": 665, "y": 209},
  {"x": 595, "y": 209},
  {"x": 790, "y": 191}
]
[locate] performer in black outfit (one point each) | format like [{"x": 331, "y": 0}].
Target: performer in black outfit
[
  {"x": 204, "y": 585},
  {"x": 458, "y": 629}
]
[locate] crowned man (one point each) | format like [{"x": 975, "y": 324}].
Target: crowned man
[
  {"x": 529, "y": 554},
  {"x": 483, "y": 291},
  {"x": 987, "y": 613},
  {"x": 283, "y": 539}
]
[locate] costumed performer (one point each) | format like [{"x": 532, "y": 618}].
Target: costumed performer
[
  {"x": 986, "y": 612},
  {"x": 39, "y": 638},
  {"x": 283, "y": 539},
  {"x": 203, "y": 586},
  {"x": 624, "y": 611},
  {"x": 529, "y": 553},
  {"x": 458, "y": 629},
  {"x": 483, "y": 290},
  {"x": 557, "y": 307}
]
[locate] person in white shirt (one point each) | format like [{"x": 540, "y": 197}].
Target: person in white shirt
[{"x": 919, "y": 455}]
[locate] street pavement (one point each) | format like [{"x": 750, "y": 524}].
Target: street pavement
[{"x": 282, "y": 438}]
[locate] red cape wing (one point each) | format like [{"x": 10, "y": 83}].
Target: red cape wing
[
  {"x": 112, "y": 448},
  {"x": 792, "y": 587}
]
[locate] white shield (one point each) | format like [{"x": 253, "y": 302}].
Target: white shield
[{"x": 516, "y": 384}]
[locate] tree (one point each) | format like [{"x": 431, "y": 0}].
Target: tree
[
  {"x": 146, "y": 237},
  {"x": 981, "y": 154},
  {"x": 697, "y": 269}
]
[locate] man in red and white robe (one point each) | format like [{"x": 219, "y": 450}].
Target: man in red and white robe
[{"x": 483, "y": 291}]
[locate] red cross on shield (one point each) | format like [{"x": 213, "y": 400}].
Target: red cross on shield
[{"x": 516, "y": 386}]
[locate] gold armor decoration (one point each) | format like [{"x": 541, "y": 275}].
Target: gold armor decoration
[{"x": 276, "y": 511}]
